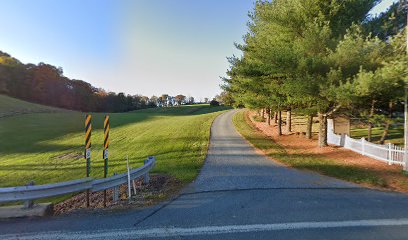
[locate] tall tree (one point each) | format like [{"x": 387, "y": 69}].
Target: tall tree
[
  {"x": 288, "y": 47},
  {"x": 164, "y": 100},
  {"x": 180, "y": 99}
]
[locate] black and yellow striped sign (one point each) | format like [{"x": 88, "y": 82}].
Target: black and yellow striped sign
[
  {"x": 88, "y": 131},
  {"x": 106, "y": 128}
]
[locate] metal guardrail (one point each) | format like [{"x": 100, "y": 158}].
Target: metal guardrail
[
  {"x": 27, "y": 193},
  {"x": 22, "y": 193},
  {"x": 107, "y": 183}
]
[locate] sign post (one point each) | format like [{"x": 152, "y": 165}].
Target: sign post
[
  {"x": 87, "y": 154},
  {"x": 106, "y": 128}
]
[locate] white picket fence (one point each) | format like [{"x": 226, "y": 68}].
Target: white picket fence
[{"x": 389, "y": 153}]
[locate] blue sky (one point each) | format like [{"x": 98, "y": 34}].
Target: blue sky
[{"x": 137, "y": 47}]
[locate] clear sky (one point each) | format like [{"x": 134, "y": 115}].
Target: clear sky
[{"x": 137, "y": 47}]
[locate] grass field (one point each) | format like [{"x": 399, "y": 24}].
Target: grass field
[
  {"x": 395, "y": 134},
  {"x": 304, "y": 161},
  {"x": 11, "y": 107},
  {"x": 47, "y": 147},
  {"x": 358, "y": 130}
]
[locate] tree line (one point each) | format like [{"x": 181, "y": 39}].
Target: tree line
[
  {"x": 46, "y": 84},
  {"x": 322, "y": 58}
]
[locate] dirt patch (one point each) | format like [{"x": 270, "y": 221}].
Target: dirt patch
[
  {"x": 160, "y": 187},
  {"x": 72, "y": 155},
  {"x": 295, "y": 144}
]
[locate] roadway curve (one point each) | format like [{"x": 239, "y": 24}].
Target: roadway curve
[{"x": 240, "y": 194}]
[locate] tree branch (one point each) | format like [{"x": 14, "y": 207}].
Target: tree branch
[{"x": 332, "y": 111}]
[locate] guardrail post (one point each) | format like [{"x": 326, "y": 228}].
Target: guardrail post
[
  {"x": 29, "y": 203},
  {"x": 128, "y": 182},
  {"x": 134, "y": 186},
  {"x": 115, "y": 192},
  {"x": 362, "y": 146},
  {"x": 146, "y": 177}
]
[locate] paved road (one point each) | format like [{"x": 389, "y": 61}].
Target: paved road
[{"x": 240, "y": 195}]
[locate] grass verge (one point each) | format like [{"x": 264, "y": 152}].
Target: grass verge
[
  {"x": 47, "y": 147},
  {"x": 304, "y": 161}
]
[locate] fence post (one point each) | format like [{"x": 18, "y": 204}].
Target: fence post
[
  {"x": 29, "y": 203},
  {"x": 389, "y": 154},
  {"x": 346, "y": 141},
  {"x": 362, "y": 146}
]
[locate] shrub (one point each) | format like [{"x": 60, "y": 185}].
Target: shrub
[{"x": 214, "y": 103}]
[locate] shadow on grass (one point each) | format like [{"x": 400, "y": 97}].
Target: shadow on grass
[
  {"x": 395, "y": 134},
  {"x": 26, "y": 133},
  {"x": 331, "y": 168}
]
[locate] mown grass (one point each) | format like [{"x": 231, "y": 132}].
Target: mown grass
[
  {"x": 12, "y": 106},
  {"x": 395, "y": 134},
  {"x": 48, "y": 147},
  {"x": 357, "y": 131},
  {"x": 303, "y": 161}
]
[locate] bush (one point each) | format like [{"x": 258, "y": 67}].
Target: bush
[{"x": 214, "y": 103}]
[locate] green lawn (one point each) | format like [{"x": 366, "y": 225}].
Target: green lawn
[
  {"x": 301, "y": 160},
  {"x": 48, "y": 147},
  {"x": 12, "y": 106},
  {"x": 395, "y": 134}
]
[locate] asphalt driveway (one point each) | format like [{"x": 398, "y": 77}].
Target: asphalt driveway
[{"x": 240, "y": 194}]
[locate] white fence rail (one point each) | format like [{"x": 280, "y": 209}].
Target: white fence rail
[
  {"x": 389, "y": 153},
  {"x": 30, "y": 193}
]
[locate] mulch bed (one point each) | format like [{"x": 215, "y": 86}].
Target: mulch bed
[
  {"x": 159, "y": 188},
  {"x": 293, "y": 144}
]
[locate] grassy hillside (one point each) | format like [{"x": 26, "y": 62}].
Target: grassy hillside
[
  {"x": 12, "y": 106},
  {"x": 47, "y": 147}
]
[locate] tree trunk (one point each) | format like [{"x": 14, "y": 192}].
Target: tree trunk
[
  {"x": 269, "y": 116},
  {"x": 275, "y": 117},
  {"x": 288, "y": 121},
  {"x": 369, "y": 131},
  {"x": 309, "y": 126},
  {"x": 263, "y": 113},
  {"x": 387, "y": 123},
  {"x": 280, "y": 123},
  {"x": 322, "y": 130},
  {"x": 385, "y": 133},
  {"x": 370, "y": 124}
]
